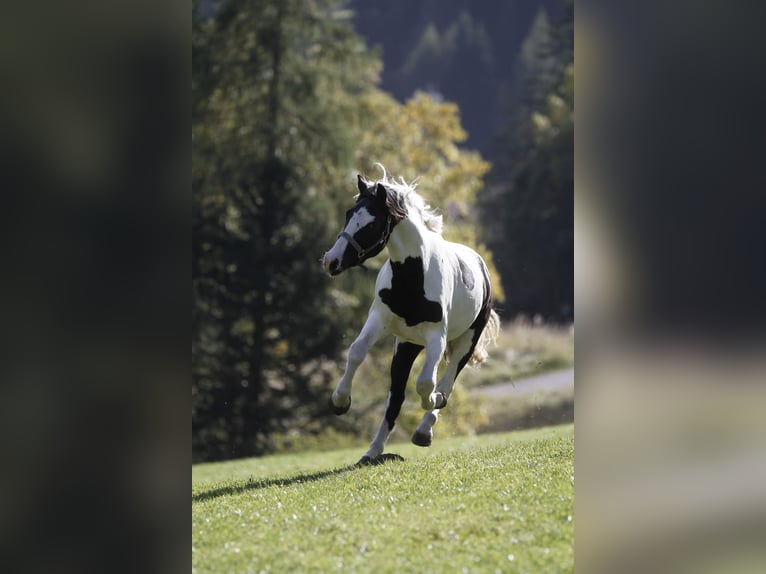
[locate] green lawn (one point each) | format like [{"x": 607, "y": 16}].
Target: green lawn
[{"x": 492, "y": 503}]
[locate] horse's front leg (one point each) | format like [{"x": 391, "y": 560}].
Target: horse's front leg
[
  {"x": 426, "y": 383},
  {"x": 373, "y": 330}
]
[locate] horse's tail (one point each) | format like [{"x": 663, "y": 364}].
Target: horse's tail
[{"x": 488, "y": 337}]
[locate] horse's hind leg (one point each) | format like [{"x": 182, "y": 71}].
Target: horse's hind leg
[
  {"x": 426, "y": 382},
  {"x": 373, "y": 329},
  {"x": 423, "y": 434},
  {"x": 462, "y": 347},
  {"x": 404, "y": 355}
]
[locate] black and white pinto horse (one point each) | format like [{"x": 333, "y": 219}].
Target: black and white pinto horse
[{"x": 430, "y": 294}]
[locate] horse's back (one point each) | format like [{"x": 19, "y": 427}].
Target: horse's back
[
  {"x": 450, "y": 292},
  {"x": 470, "y": 276}
]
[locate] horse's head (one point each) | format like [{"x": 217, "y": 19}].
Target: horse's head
[{"x": 368, "y": 227}]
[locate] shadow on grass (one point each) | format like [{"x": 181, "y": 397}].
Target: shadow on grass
[
  {"x": 266, "y": 483},
  {"x": 288, "y": 481}
]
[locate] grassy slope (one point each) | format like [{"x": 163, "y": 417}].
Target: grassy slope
[{"x": 493, "y": 503}]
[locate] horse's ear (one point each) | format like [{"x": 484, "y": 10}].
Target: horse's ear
[
  {"x": 381, "y": 193},
  {"x": 361, "y": 183}
]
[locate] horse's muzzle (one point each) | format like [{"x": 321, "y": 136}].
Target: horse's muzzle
[{"x": 332, "y": 266}]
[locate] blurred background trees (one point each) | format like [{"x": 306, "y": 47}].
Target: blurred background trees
[
  {"x": 509, "y": 68},
  {"x": 528, "y": 206},
  {"x": 270, "y": 145},
  {"x": 288, "y": 106}
]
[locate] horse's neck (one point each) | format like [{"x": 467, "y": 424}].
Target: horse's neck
[{"x": 408, "y": 239}]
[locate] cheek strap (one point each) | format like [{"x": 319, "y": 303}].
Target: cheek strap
[
  {"x": 354, "y": 243},
  {"x": 361, "y": 251}
]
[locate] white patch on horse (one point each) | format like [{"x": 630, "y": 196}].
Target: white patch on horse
[{"x": 361, "y": 218}]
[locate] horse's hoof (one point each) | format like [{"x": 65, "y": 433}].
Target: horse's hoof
[
  {"x": 338, "y": 410},
  {"x": 422, "y": 438},
  {"x": 364, "y": 461}
]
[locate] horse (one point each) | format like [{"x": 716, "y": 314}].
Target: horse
[{"x": 430, "y": 294}]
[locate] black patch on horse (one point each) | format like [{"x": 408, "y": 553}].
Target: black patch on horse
[
  {"x": 407, "y": 296},
  {"x": 481, "y": 319},
  {"x": 466, "y": 274},
  {"x": 401, "y": 365}
]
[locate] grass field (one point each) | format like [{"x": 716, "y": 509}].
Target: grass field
[{"x": 491, "y": 503}]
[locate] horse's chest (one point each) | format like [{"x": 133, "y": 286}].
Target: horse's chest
[{"x": 406, "y": 297}]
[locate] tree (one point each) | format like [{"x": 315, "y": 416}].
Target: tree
[
  {"x": 538, "y": 65},
  {"x": 266, "y": 145},
  {"x": 457, "y": 63},
  {"x": 528, "y": 208},
  {"x": 540, "y": 217}
]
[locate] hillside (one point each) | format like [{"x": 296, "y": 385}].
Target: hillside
[{"x": 501, "y": 502}]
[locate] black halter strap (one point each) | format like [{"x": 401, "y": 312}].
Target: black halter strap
[{"x": 361, "y": 251}]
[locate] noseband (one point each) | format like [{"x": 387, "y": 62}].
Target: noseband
[{"x": 361, "y": 251}]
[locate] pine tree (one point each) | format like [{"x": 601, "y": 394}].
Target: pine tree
[
  {"x": 528, "y": 208},
  {"x": 537, "y": 67},
  {"x": 266, "y": 145}
]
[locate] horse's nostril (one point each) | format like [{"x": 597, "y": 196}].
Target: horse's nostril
[{"x": 334, "y": 265}]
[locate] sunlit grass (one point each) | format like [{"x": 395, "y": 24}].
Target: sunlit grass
[{"x": 500, "y": 502}]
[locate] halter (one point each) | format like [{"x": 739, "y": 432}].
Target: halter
[{"x": 361, "y": 251}]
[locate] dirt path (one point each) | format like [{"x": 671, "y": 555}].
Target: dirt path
[{"x": 547, "y": 382}]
